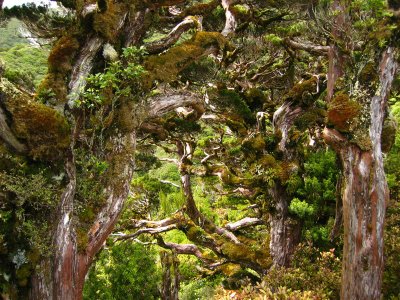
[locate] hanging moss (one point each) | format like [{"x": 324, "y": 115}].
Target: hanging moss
[{"x": 342, "y": 111}]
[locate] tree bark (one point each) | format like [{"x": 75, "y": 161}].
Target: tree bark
[
  {"x": 285, "y": 231},
  {"x": 364, "y": 197}
]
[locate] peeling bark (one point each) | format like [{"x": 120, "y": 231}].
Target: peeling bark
[
  {"x": 364, "y": 197},
  {"x": 230, "y": 21},
  {"x": 82, "y": 68}
]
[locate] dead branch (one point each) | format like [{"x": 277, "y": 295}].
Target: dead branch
[
  {"x": 156, "y": 230},
  {"x": 243, "y": 223},
  {"x": 313, "y": 49}
]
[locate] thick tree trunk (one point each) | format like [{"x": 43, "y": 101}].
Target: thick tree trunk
[
  {"x": 285, "y": 231},
  {"x": 364, "y": 197}
]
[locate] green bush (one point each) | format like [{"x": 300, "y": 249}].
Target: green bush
[{"x": 124, "y": 271}]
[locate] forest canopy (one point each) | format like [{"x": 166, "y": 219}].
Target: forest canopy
[{"x": 177, "y": 149}]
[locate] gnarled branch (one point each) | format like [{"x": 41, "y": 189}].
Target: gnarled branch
[{"x": 173, "y": 36}]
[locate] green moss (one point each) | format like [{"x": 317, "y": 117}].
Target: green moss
[
  {"x": 82, "y": 239},
  {"x": 44, "y": 129},
  {"x": 247, "y": 251},
  {"x": 126, "y": 116},
  {"x": 303, "y": 90},
  {"x": 106, "y": 23},
  {"x": 361, "y": 139},
  {"x": 342, "y": 111},
  {"x": 60, "y": 57},
  {"x": 388, "y": 135},
  {"x": 253, "y": 145},
  {"x": 310, "y": 118},
  {"x": 236, "y": 107},
  {"x": 52, "y": 89},
  {"x": 368, "y": 74},
  {"x": 166, "y": 66}
]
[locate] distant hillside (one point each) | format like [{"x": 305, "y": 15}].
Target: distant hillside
[
  {"x": 10, "y": 35},
  {"x": 24, "y": 63}
]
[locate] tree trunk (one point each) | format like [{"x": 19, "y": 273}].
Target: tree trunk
[
  {"x": 285, "y": 231},
  {"x": 364, "y": 197},
  {"x": 171, "y": 278}
]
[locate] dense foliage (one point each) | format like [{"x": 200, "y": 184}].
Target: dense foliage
[{"x": 181, "y": 149}]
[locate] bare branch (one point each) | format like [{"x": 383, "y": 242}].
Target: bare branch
[
  {"x": 243, "y": 223},
  {"x": 171, "y": 183},
  {"x": 82, "y": 68},
  {"x": 314, "y": 49},
  {"x": 147, "y": 230},
  {"x": 153, "y": 224}
]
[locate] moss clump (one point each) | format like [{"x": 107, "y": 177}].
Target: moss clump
[
  {"x": 388, "y": 135},
  {"x": 44, "y": 129},
  {"x": 52, "y": 89},
  {"x": 82, "y": 239},
  {"x": 166, "y": 66},
  {"x": 303, "y": 90},
  {"x": 362, "y": 140},
  {"x": 126, "y": 116},
  {"x": 285, "y": 170},
  {"x": 60, "y": 57},
  {"x": 241, "y": 12},
  {"x": 106, "y": 23},
  {"x": 255, "y": 98},
  {"x": 268, "y": 161},
  {"x": 368, "y": 74},
  {"x": 236, "y": 107},
  {"x": 254, "y": 145},
  {"x": 246, "y": 252},
  {"x": 342, "y": 111},
  {"x": 309, "y": 118}
]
